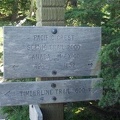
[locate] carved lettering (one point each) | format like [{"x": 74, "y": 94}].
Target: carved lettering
[
  {"x": 44, "y": 92},
  {"x": 52, "y": 37},
  {"x": 56, "y": 47},
  {"x": 35, "y": 47},
  {"x": 80, "y": 90},
  {"x": 40, "y": 56},
  {"x": 64, "y": 55},
  {"x": 69, "y": 65},
  {"x": 57, "y": 57},
  {"x": 36, "y": 93},
  {"x": 62, "y": 91},
  {"x": 65, "y": 37},
  {"x": 41, "y": 66},
  {"x": 74, "y": 46},
  {"x": 67, "y": 56},
  {"x": 84, "y": 90},
  {"x": 40, "y": 37}
]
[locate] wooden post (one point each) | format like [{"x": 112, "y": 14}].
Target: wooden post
[{"x": 51, "y": 13}]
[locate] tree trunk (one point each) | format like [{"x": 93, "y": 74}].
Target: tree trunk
[{"x": 14, "y": 11}]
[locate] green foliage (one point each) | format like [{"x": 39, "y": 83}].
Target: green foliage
[
  {"x": 7, "y": 6},
  {"x": 87, "y": 111},
  {"x": 110, "y": 57},
  {"x": 16, "y": 112},
  {"x": 14, "y": 9},
  {"x": 73, "y": 112},
  {"x": 4, "y": 23},
  {"x": 88, "y": 13}
]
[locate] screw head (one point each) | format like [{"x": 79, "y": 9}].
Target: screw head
[
  {"x": 54, "y": 72},
  {"x": 54, "y": 98},
  {"x": 54, "y": 31},
  {"x": 53, "y": 85}
]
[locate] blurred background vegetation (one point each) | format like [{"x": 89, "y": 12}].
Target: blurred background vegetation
[{"x": 102, "y": 13}]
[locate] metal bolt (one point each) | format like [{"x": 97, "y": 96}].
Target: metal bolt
[
  {"x": 54, "y": 72},
  {"x": 54, "y": 31},
  {"x": 54, "y": 98},
  {"x": 53, "y": 85}
]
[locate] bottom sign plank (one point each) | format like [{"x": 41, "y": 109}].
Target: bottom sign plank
[{"x": 24, "y": 93}]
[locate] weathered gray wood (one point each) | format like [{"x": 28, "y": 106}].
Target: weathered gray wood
[
  {"x": 35, "y": 112},
  {"x": 21, "y": 93},
  {"x": 39, "y": 52},
  {"x": 51, "y": 13}
]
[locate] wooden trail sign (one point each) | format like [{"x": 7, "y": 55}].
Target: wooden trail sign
[
  {"x": 51, "y": 51},
  {"x": 24, "y": 93}
]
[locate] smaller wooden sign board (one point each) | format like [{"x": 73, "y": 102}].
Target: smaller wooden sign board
[{"x": 24, "y": 93}]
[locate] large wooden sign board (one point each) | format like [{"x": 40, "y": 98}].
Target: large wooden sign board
[
  {"x": 50, "y": 51},
  {"x": 23, "y": 93}
]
